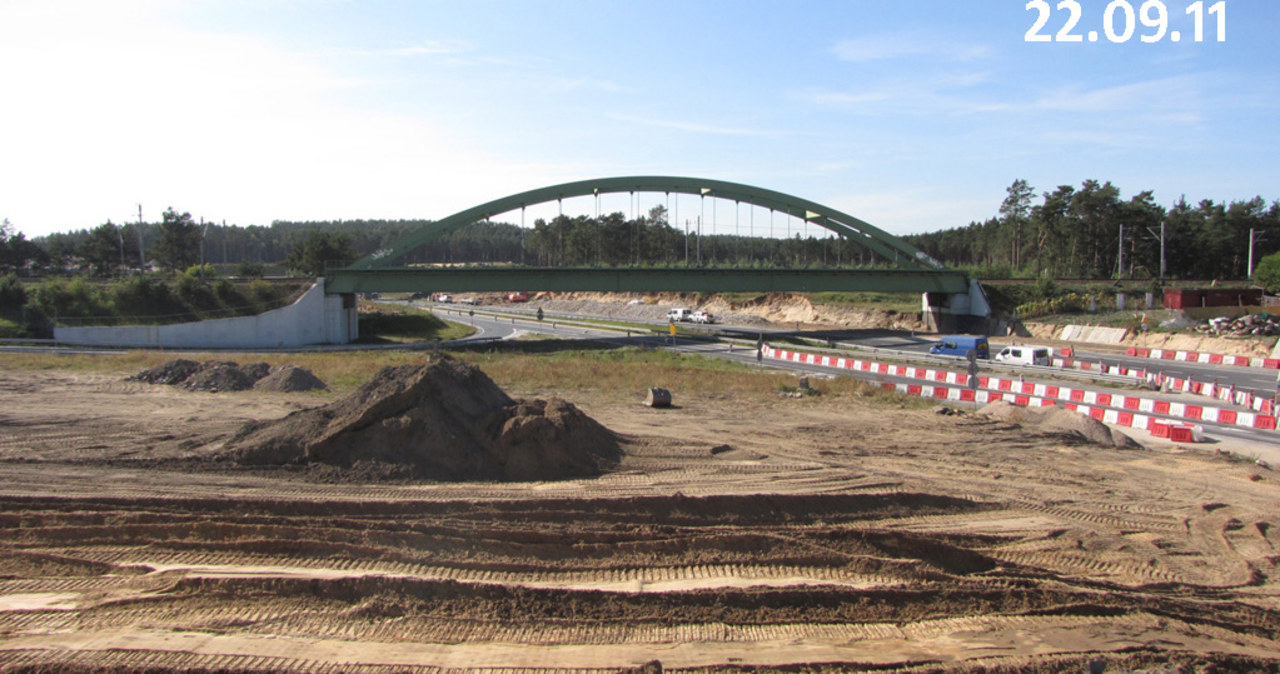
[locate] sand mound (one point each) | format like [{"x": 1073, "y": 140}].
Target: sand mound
[
  {"x": 289, "y": 379},
  {"x": 1059, "y": 420},
  {"x": 172, "y": 372},
  {"x": 444, "y": 421}
]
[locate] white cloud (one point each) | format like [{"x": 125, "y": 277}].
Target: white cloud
[
  {"x": 930, "y": 94},
  {"x": 1173, "y": 99}
]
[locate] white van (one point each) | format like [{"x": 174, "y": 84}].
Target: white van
[
  {"x": 680, "y": 314},
  {"x": 1025, "y": 355}
]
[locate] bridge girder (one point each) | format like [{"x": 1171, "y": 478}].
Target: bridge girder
[
  {"x": 625, "y": 279},
  {"x": 891, "y": 248}
]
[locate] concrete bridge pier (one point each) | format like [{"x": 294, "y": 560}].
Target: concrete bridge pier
[{"x": 967, "y": 312}]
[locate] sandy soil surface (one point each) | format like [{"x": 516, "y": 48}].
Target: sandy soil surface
[
  {"x": 1250, "y": 347},
  {"x": 736, "y": 533},
  {"x": 786, "y": 309}
]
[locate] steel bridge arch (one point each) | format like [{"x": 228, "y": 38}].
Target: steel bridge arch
[{"x": 894, "y": 250}]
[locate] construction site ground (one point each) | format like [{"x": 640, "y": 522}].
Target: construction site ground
[{"x": 845, "y": 532}]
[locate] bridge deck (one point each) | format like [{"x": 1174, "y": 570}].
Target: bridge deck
[{"x": 504, "y": 279}]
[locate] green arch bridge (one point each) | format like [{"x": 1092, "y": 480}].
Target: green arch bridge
[{"x": 909, "y": 269}]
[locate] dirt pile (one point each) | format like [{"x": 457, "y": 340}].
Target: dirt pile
[
  {"x": 289, "y": 379},
  {"x": 172, "y": 372},
  {"x": 1059, "y": 420},
  {"x": 444, "y": 421},
  {"x": 216, "y": 376}
]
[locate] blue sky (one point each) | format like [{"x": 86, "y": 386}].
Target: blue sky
[{"x": 913, "y": 116}]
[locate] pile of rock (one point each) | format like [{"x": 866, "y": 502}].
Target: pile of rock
[
  {"x": 1263, "y": 325},
  {"x": 216, "y": 376}
]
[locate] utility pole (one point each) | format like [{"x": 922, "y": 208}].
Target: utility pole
[
  {"x": 1161, "y": 237},
  {"x": 698, "y": 243},
  {"x": 204, "y": 230},
  {"x": 1253, "y": 237},
  {"x": 1162, "y": 269},
  {"x": 1250, "y": 274},
  {"x": 142, "y": 255},
  {"x": 1121, "y": 256}
]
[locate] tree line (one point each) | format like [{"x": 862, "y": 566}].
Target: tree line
[
  {"x": 1089, "y": 231},
  {"x": 178, "y": 241},
  {"x": 1092, "y": 232}
]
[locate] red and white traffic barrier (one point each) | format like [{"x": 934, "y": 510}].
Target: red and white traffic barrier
[
  {"x": 1206, "y": 358},
  {"x": 1261, "y": 404},
  {"x": 1161, "y": 428},
  {"x": 1023, "y": 393}
]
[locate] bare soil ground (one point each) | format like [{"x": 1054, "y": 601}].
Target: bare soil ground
[{"x": 820, "y": 534}]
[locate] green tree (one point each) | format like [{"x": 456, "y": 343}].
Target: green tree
[
  {"x": 102, "y": 249},
  {"x": 12, "y": 295},
  {"x": 178, "y": 245},
  {"x": 16, "y": 253},
  {"x": 1267, "y": 273},
  {"x": 316, "y": 249},
  {"x": 1015, "y": 213}
]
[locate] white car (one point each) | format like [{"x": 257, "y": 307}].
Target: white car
[
  {"x": 702, "y": 317},
  {"x": 679, "y": 315},
  {"x": 1025, "y": 355}
]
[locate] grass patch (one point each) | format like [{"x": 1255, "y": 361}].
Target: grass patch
[
  {"x": 903, "y": 303},
  {"x": 543, "y": 368},
  {"x": 380, "y": 323},
  {"x": 618, "y": 374}
]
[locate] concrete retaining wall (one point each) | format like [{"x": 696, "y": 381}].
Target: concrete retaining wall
[{"x": 316, "y": 318}]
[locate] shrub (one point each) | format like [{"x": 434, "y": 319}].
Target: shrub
[
  {"x": 196, "y": 294},
  {"x": 77, "y": 299},
  {"x": 12, "y": 294},
  {"x": 144, "y": 299},
  {"x": 263, "y": 293},
  {"x": 1071, "y": 303},
  {"x": 205, "y": 271},
  {"x": 1045, "y": 289},
  {"x": 250, "y": 270}
]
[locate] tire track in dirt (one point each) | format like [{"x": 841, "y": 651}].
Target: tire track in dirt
[{"x": 830, "y": 537}]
